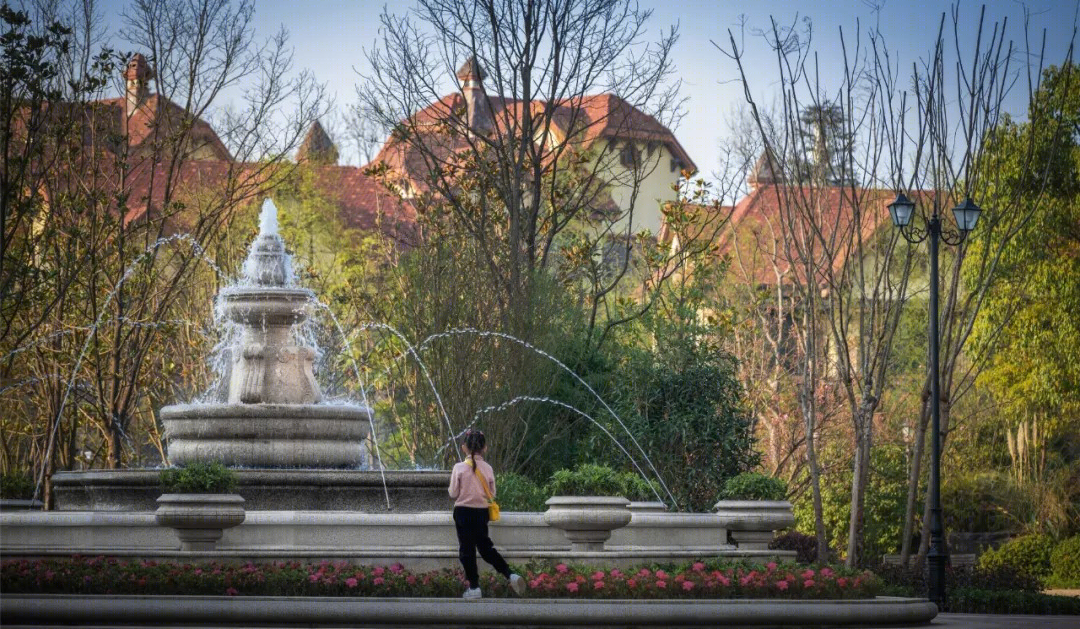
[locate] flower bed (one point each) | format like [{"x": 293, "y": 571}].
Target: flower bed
[{"x": 708, "y": 579}]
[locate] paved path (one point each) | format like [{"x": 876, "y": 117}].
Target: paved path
[
  {"x": 1001, "y": 621},
  {"x": 943, "y": 621}
]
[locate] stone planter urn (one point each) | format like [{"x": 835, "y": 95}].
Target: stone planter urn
[
  {"x": 587, "y": 521},
  {"x": 199, "y": 519},
  {"x": 753, "y": 523}
]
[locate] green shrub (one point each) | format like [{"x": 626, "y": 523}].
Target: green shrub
[
  {"x": 968, "y": 600},
  {"x": 16, "y": 486},
  {"x": 638, "y": 489},
  {"x": 518, "y": 493},
  {"x": 1029, "y": 555},
  {"x": 586, "y": 480},
  {"x": 198, "y": 478},
  {"x": 1065, "y": 564},
  {"x": 753, "y": 486}
]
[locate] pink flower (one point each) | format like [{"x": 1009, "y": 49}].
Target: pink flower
[
  {"x": 698, "y": 566},
  {"x": 314, "y": 578},
  {"x": 351, "y": 582},
  {"x": 687, "y": 585},
  {"x": 783, "y": 585},
  {"x": 771, "y": 566},
  {"x": 842, "y": 582},
  {"x": 378, "y": 571},
  {"x": 808, "y": 583},
  {"x": 599, "y": 574},
  {"x": 660, "y": 574},
  {"x": 535, "y": 583},
  {"x": 378, "y": 581},
  {"x": 723, "y": 580},
  {"x": 809, "y": 574},
  {"x": 826, "y": 572},
  {"x": 631, "y": 583},
  {"x": 232, "y": 592},
  {"x": 396, "y": 568},
  {"x": 661, "y": 584},
  {"x": 411, "y": 580},
  {"x": 615, "y": 574},
  {"x": 598, "y": 585},
  {"x": 573, "y": 587},
  {"x": 561, "y": 568},
  {"x": 644, "y": 572}
]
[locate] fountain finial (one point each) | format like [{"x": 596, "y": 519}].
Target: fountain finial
[
  {"x": 268, "y": 218},
  {"x": 267, "y": 263}
]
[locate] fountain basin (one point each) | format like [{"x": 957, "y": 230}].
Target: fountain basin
[
  {"x": 324, "y": 436},
  {"x": 265, "y": 490}
]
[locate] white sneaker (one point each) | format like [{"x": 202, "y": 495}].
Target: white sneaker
[
  {"x": 472, "y": 593},
  {"x": 517, "y": 584}
]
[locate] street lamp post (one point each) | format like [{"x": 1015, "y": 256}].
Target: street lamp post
[{"x": 966, "y": 215}]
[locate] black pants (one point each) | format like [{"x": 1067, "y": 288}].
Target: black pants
[{"x": 472, "y": 534}]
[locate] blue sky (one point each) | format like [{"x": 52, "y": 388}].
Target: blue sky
[{"x": 330, "y": 36}]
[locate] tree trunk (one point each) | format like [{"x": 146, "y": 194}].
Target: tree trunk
[
  {"x": 914, "y": 477},
  {"x": 860, "y": 477}
]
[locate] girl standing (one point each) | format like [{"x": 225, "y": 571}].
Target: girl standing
[{"x": 471, "y": 514}]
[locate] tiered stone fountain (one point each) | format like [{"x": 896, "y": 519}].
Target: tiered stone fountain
[{"x": 292, "y": 449}]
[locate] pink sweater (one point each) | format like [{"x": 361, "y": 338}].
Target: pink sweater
[{"x": 465, "y": 487}]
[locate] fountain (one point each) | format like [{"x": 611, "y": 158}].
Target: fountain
[
  {"x": 292, "y": 449},
  {"x": 273, "y": 416}
]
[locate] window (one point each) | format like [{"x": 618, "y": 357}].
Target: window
[{"x": 630, "y": 156}]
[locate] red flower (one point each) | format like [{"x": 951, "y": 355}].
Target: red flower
[
  {"x": 771, "y": 566},
  {"x": 808, "y": 583},
  {"x": 698, "y": 566},
  {"x": 842, "y": 582},
  {"x": 783, "y": 585},
  {"x": 630, "y": 583},
  {"x": 809, "y": 574},
  {"x": 598, "y": 585},
  {"x": 661, "y": 584},
  {"x": 687, "y": 585},
  {"x": 573, "y": 587},
  {"x": 599, "y": 574},
  {"x": 351, "y": 582},
  {"x": 660, "y": 574},
  {"x": 561, "y": 568},
  {"x": 378, "y": 581}
]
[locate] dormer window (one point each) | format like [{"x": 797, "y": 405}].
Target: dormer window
[{"x": 630, "y": 156}]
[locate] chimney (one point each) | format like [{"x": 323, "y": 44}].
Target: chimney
[
  {"x": 137, "y": 77},
  {"x": 477, "y": 107},
  {"x": 317, "y": 147}
]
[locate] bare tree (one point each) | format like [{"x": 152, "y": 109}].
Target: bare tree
[{"x": 510, "y": 154}]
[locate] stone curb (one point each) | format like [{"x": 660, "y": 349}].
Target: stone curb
[{"x": 59, "y": 609}]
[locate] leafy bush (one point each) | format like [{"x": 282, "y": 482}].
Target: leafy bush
[
  {"x": 753, "y": 486},
  {"x": 586, "y": 480},
  {"x": 518, "y": 493},
  {"x": 199, "y": 478},
  {"x": 983, "y": 502},
  {"x": 969, "y": 600},
  {"x": 599, "y": 480},
  {"x": 1028, "y": 555},
  {"x": 1065, "y": 564},
  {"x": 805, "y": 546},
  {"x": 640, "y": 490},
  {"x": 16, "y": 486}
]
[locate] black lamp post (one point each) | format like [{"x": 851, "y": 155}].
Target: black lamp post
[{"x": 966, "y": 215}]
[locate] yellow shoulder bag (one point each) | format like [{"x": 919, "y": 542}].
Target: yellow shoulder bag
[{"x": 493, "y": 507}]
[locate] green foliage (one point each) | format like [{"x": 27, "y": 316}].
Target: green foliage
[
  {"x": 199, "y": 478},
  {"x": 1028, "y": 555},
  {"x": 983, "y": 502},
  {"x": 518, "y": 493},
  {"x": 16, "y": 485},
  {"x": 753, "y": 486},
  {"x": 805, "y": 546},
  {"x": 885, "y": 499},
  {"x": 586, "y": 480},
  {"x": 968, "y": 600},
  {"x": 1065, "y": 564}
]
